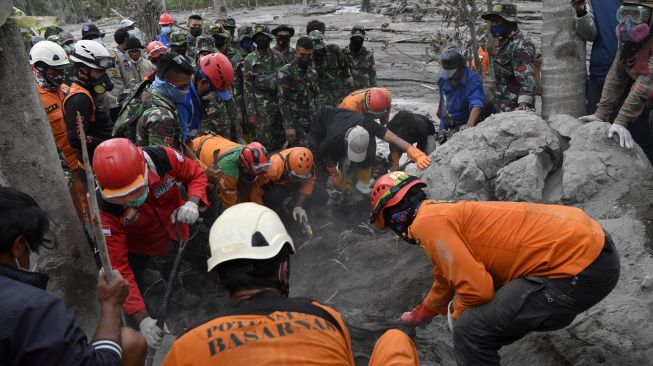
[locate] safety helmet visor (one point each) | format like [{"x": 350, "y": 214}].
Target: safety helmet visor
[
  {"x": 102, "y": 62},
  {"x": 637, "y": 14},
  {"x": 376, "y": 217},
  {"x": 261, "y": 168},
  {"x": 128, "y": 193},
  {"x": 296, "y": 177}
]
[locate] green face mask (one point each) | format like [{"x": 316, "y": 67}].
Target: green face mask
[{"x": 138, "y": 201}]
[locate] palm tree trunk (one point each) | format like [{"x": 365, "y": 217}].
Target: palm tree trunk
[{"x": 563, "y": 61}]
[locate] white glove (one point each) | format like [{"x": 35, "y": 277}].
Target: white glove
[
  {"x": 152, "y": 333},
  {"x": 186, "y": 214},
  {"x": 625, "y": 138},
  {"x": 299, "y": 214},
  {"x": 363, "y": 188},
  {"x": 450, "y": 318},
  {"x": 589, "y": 118}
]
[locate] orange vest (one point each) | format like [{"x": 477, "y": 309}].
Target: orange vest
[
  {"x": 280, "y": 338},
  {"x": 76, "y": 89},
  {"x": 355, "y": 102},
  {"x": 53, "y": 103},
  {"x": 477, "y": 247}
]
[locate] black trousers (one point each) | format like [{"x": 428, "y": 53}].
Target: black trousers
[{"x": 532, "y": 304}]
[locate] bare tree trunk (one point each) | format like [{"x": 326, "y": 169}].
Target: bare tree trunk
[
  {"x": 220, "y": 7},
  {"x": 30, "y": 163},
  {"x": 71, "y": 11},
  {"x": 366, "y": 6},
  {"x": 563, "y": 61}
]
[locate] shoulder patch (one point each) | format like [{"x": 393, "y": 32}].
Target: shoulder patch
[{"x": 51, "y": 108}]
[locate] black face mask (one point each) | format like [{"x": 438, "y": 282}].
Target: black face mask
[
  {"x": 102, "y": 85},
  {"x": 283, "y": 41},
  {"x": 196, "y": 32},
  {"x": 219, "y": 42},
  {"x": 246, "y": 44},
  {"x": 356, "y": 44},
  {"x": 304, "y": 62},
  {"x": 180, "y": 51},
  {"x": 262, "y": 43}
]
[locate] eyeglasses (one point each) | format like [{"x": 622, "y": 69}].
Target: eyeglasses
[{"x": 637, "y": 15}]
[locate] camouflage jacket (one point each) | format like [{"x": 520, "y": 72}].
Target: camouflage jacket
[
  {"x": 332, "y": 70},
  {"x": 299, "y": 95},
  {"x": 159, "y": 124},
  {"x": 259, "y": 80},
  {"x": 288, "y": 55},
  {"x": 514, "y": 70},
  {"x": 218, "y": 117},
  {"x": 191, "y": 50},
  {"x": 237, "y": 59},
  {"x": 362, "y": 67}
]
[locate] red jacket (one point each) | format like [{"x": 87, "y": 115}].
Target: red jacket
[{"x": 147, "y": 230}]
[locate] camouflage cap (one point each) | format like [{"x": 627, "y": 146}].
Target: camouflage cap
[
  {"x": 219, "y": 30},
  {"x": 53, "y": 38},
  {"x": 262, "y": 29},
  {"x": 357, "y": 31},
  {"x": 318, "y": 39},
  {"x": 179, "y": 38},
  {"x": 245, "y": 31},
  {"x": 206, "y": 43},
  {"x": 229, "y": 22},
  {"x": 506, "y": 11},
  {"x": 66, "y": 37}
]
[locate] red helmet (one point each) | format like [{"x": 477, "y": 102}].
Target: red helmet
[
  {"x": 155, "y": 49},
  {"x": 254, "y": 158},
  {"x": 218, "y": 69},
  {"x": 377, "y": 101},
  {"x": 389, "y": 190},
  {"x": 120, "y": 170},
  {"x": 165, "y": 18}
]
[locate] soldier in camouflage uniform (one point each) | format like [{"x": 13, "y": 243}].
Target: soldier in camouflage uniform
[
  {"x": 299, "y": 93},
  {"x": 221, "y": 39},
  {"x": 333, "y": 71},
  {"x": 284, "y": 33},
  {"x": 156, "y": 118},
  {"x": 237, "y": 58},
  {"x": 194, "y": 25},
  {"x": 513, "y": 61},
  {"x": 205, "y": 45},
  {"x": 260, "y": 89},
  {"x": 360, "y": 60},
  {"x": 179, "y": 42},
  {"x": 66, "y": 40}
]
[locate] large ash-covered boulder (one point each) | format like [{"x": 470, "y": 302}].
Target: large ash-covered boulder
[
  {"x": 507, "y": 157},
  {"x": 596, "y": 168}
]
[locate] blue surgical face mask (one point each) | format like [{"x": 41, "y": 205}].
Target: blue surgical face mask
[
  {"x": 134, "y": 33},
  {"x": 499, "y": 30},
  {"x": 169, "y": 90},
  {"x": 138, "y": 201},
  {"x": 166, "y": 29}
]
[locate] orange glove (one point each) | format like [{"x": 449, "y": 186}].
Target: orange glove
[
  {"x": 421, "y": 160},
  {"x": 336, "y": 177},
  {"x": 418, "y": 315}
]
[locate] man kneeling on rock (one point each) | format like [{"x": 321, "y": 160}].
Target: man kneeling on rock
[
  {"x": 250, "y": 252},
  {"x": 502, "y": 269}
]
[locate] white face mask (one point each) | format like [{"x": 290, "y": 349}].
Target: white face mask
[
  {"x": 99, "y": 40},
  {"x": 33, "y": 261},
  {"x": 212, "y": 95}
]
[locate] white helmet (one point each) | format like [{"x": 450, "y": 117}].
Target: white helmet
[
  {"x": 48, "y": 52},
  {"x": 92, "y": 54},
  {"x": 246, "y": 231}
]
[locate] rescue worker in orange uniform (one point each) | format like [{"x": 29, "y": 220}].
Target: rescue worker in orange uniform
[
  {"x": 250, "y": 253},
  {"x": 49, "y": 61},
  {"x": 240, "y": 165},
  {"x": 374, "y": 102},
  {"x": 291, "y": 175},
  {"x": 501, "y": 269}
]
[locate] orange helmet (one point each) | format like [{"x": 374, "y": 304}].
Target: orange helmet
[
  {"x": 376, "y": 101},
  {"x": 299, "y": 164},
  {"x": 165, "y": 18},
  {"x": 389, "y": 190}
]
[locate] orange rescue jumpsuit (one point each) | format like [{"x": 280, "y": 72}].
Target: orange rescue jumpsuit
[
  {"x": 282, "y": 338},
  {"x": 276, "y": 175},
  {"x": 355, "y": 102},
  {"x": 477, "y": 247},
  {"x": 53, "y": 103}
]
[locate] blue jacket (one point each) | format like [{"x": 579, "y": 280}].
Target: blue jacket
[
  {"x": 162, "y": 38},
  {"x": 462, "y": 98},
  {"x": 605, "y": 44},
  {"x": 190, "y": 113},
  {"x": 38, "y": 329}
]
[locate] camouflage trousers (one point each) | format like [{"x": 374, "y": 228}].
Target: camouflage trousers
[{"x": 268, "y": 124}]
